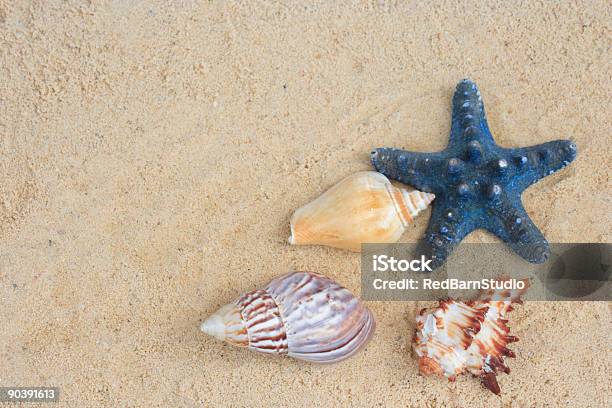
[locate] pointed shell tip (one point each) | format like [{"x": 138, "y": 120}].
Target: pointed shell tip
[{"x": 214, "y": 326}]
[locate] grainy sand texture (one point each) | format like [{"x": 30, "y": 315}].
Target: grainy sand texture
[{"x": 152, "y": 153}]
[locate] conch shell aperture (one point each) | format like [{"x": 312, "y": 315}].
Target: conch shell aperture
[
  {"x": 302, "y": 314},
  {"x": 363, "y": 208}
]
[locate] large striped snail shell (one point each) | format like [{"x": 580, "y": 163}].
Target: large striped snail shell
[
  {"x": 363, "y": 208},
  {"x": 302, "y": 314}
]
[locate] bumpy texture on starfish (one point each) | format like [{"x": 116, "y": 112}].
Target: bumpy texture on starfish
[{"x": 477, "y": 183}]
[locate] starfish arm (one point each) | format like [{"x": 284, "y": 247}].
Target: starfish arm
[
  {"x": 513, "y": 226},
  {"x": 536, "y": 162},
  {"x": 448, "y": 225},
  {"x": 468, "y": 121},
  {"x": 416, "y": 169}
]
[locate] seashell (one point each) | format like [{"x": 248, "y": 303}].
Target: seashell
[
  {"x": 302, "y": 314},
  {"x": 458, "y": 337},
  {"x": 363, "y": 208}
]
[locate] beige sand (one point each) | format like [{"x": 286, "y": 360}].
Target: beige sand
[{"x": 151, "y": 156}]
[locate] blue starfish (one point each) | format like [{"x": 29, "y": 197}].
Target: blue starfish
[{"x": 477, "y": 183}]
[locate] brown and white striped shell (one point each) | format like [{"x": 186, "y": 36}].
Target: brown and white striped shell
[
  {"x": 458, "y": 337},
  {"x": 302, "y": 314},
  {"x": 363, "y": 208}
]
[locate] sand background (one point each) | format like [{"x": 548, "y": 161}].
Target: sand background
[{"x": 152, "y": 155}]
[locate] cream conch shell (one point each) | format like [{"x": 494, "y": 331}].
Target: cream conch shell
[
  {"x": 458, "y": 337},
  {"x": 302, "y": 314},
  {"x": 363, "y": 208}
]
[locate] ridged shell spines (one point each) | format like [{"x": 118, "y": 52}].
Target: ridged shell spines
[{"x": 458, "y": 337}]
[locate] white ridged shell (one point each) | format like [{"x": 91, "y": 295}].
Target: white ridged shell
[
  {"x": 458, "y": 337},
  {"x": 302, "y": 314}
]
